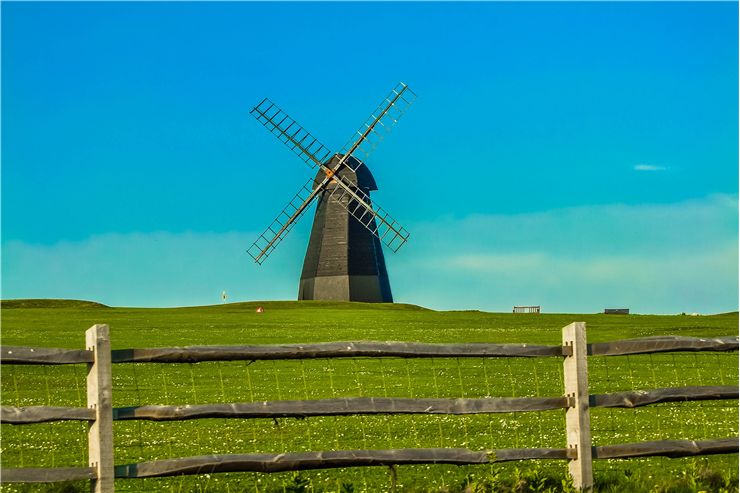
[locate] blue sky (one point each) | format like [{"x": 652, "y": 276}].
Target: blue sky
[{"x": 572, "y": 155}]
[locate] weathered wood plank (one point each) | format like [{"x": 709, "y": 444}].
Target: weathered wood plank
[
  {"x": 341, "y": 407},
  {"x": 330, "y": 350},
  {"x": 667, "y": 448},
  {"x": 45, "y": 474},
  {"x": 24, "y": 355},
  {"x": 55, "y": 356},
  {"x": 358, "y": 458},
  {"x": 43, "y": 414},
  {"x": 298, "y": 461},
  {"x": 662, "y": 344},
  {"x": 364, "y": 405},
  {"x": 637, "y": 398},
  {"x": 504, "y": 455}
]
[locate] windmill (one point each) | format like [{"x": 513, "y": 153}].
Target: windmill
[{"x": 344, "y": 259}]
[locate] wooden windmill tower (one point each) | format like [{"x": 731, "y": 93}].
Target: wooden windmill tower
[{"x": 344, "y": 260}]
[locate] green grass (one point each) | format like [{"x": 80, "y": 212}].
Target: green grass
[{"x": 62, "y": 324}]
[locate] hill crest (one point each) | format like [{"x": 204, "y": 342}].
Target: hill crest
[
  {"x": 50, "y": 303},
  {"x": 241, "y": 305}
]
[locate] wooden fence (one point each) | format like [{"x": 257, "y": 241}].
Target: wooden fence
[{"x": 579, "y": 451}]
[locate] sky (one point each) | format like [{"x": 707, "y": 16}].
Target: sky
[{"x": 577, "y": 156}]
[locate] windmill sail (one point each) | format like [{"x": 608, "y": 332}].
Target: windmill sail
[
  {"x": 338, "y": 187},
  {"x": 283, "y": 223},
  {"x": 310, "y": 150},
  {"x": 372, "y": 216},
  {"x": 379, "y": 124}
]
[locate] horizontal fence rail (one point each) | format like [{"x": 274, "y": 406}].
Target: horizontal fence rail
[
  {"x": 662, "y": 344},
  {"x": 290, "y": 409},
  {"x": 667, "y": 448},
  {"x": 46, "y": 474},
  {"x": 298, "y": 461},
  {"x": 639, "y": 398},
  {"x": 44, "y": 414},
  {"x": 354, "y": 458},
  {"x": 18, "y": 355},
  {"x": 343, "y": 407},
  {"x": 331, "y": 350},
  {"x": 576, "y": 403},
  {"x": 367, "y": 405},
  {"x": 23, "y": 355}
]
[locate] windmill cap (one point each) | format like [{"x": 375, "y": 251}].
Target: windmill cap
[{"x": 362, "y": 177}]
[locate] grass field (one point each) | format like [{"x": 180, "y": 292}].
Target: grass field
[{"x": 62, "y": 324}]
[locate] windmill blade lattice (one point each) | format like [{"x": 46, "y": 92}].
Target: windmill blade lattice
[
  {"x": 344, "y": 192},
  {"x": 379, "y": 124},
  {"x": 283, "y": 223},
  {"x": 369, "y": 214},
  {"x": 307, "y": 147}
]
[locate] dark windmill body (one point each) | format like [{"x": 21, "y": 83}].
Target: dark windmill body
[{"x": 344, "y": 260}]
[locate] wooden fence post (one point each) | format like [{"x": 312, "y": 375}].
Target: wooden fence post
[
  {"x": 577, "y": 418},
  {"x": 100, "y": 398}
]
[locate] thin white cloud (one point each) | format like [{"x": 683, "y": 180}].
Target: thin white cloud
[
  {"x": 150, "y": 269},
  {"x": 648, "y": 167},
  {"x": 705, "y": 283},
  {"x": 613, "y": 229},
  {"x": 654, "y": 258}
]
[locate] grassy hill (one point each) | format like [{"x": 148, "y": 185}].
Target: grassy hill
[
  {"x": 50, "y": 303},
  {"x": 61, "y": 323}
]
